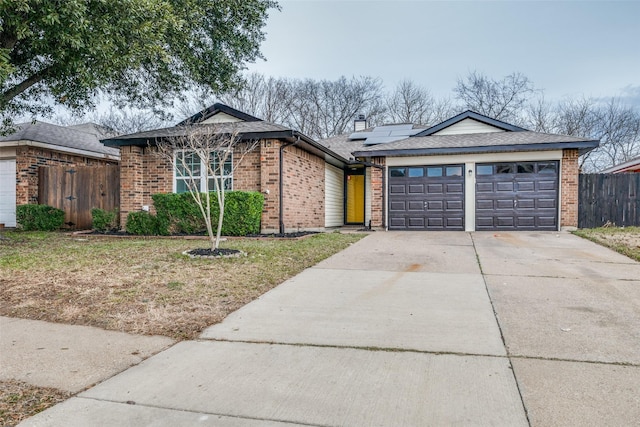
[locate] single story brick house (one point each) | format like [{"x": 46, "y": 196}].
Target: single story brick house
[
  {"x": 37, "y": 144},
  {"x": 287, "y": 167},
  {"x": 469, "y": 173}
]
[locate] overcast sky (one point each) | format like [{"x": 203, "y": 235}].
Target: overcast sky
[{"x": 567, "y": 48}]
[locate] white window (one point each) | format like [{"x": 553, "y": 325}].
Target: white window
[{"x": 189, "y": 167}]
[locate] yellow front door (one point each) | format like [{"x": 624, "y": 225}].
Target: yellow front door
[{"x": 355, "y": 199}]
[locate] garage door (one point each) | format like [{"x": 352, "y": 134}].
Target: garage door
[
  {"x": 517, "y": 196},
  {"x": 426, "y": 198},
  {"x": 8, "y": 192}
]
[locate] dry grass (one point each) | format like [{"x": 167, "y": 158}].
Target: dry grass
[
  {"x": 19, "y": 401},
  {"x": 144, "y": 286},
  {"x": 623, "y": 240}
]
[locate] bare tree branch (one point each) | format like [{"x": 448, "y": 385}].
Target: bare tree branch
[{"x": 210, "y": 147}]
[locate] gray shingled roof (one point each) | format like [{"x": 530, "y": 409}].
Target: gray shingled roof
[
  {"x": 245, "y": 128},
  {"x": 477, "y": 142},
  {"x": 342, "y": 145},
  {"x": 61, "y": 136}
]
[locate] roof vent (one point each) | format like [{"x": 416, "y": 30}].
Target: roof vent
[{"x": 360, "y": 123}]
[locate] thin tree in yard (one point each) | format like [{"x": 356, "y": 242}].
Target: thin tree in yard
[{"x": 203, "y": 155}]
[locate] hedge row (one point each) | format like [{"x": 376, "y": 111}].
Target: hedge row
[
  {"x": 39, "y": 217},
  {"x": 179, "y": 214}
]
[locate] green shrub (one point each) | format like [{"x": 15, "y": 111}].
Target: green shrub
[
  {"x": 104, "y": 221},
  {"x": 179, "y": 213},
  {"x": 39, "y": 217},
  {"x": 243, "y": 210},
  {"x": 143, "y": 224}
]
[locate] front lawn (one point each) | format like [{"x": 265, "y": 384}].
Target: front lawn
[
  {"x": 145, "y": 285},
  {"x": 623, "y": 240}
]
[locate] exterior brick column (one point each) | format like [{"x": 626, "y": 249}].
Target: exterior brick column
[
  {"x": 569, "y": 188},
  {"x": 378, "y": 198},
  {"x": 269, "y": 175},
  {"x": 131, "y": 181}
]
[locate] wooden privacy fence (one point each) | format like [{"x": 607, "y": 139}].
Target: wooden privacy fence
[
  {"x": 609, "y": 198},
  {"x": 77, "y": 190}
]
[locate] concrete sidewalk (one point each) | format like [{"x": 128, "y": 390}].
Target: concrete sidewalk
[
  {"x": 400, "y": 329},
  {"x": 67, "y": 357}
]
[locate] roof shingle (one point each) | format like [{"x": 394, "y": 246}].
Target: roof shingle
[{"x": 63, "y": 136}]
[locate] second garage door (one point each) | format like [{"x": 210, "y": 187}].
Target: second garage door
[
  {"x": 517, "y": 196},
  {"x": 426, "y": 198}
]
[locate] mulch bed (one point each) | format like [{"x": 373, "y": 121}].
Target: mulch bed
[{"x": 214, "y": 253}]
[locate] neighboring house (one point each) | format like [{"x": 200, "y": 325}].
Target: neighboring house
[
  {"x": 38, "y": 144},
  {"x": 468, "y": 173},
  {"x": 289, "y": 168},
  {"x": 632, "y": 165}
]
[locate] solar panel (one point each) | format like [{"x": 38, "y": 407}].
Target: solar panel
[{"x": 385, "y": 134}]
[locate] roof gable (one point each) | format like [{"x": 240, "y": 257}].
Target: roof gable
[
  {"x": 219, "y": 113},
  {"x": 460, "y": 124}
]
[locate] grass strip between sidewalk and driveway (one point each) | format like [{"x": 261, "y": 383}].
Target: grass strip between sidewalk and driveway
[
  {"x": 145, "y": 285},
  {"x": 624, "y": 240}
]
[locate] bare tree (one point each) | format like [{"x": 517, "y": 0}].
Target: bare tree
[
  {"x": 500, "y": 99},
  {"x": 317, "y": 108},
  {"x": 204, "y": 153},
  {"x": 118, "y": 121},
  {"x": 410, "y": 103},
  {"x": 618, "y": 128},
  {"x": 540, "y": 116},
  {"x": 266, "y": 98},
  {"x": 325, "y": 108}
]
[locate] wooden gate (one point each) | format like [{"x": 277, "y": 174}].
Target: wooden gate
[
  {"x": 609, "y": 198},
  {"x": 77, "y": 190}
]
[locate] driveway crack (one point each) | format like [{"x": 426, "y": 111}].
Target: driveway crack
[{"x": 495, "y": 315}]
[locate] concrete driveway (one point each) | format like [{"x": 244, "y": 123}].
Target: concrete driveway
[{"x": 401, "y": 329}]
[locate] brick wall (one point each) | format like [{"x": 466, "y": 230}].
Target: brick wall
[
  {"x": 269, "y": 179},
  {"x": 569, "y": 188},
  {"x": 131, "y": 181},
  {"x": 377, "y": 193},
  {"x": 303, "y": 180},
  {"x": 29, "y": 159},
  {"x": 158, "y": 175},
  {"x": 144, "y": 174}
]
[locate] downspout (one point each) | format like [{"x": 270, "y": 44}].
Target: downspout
[{"x": 281, "y": 186}]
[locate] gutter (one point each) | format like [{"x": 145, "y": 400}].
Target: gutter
[{"x": 281, "y": 185}]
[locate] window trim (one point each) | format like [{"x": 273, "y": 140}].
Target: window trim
[{"x": 204, "y": 169}]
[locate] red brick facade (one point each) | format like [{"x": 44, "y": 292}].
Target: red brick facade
[
  {"x": 143, "y": 174},
  {"x": 569, "y": 175},
  {"x": 377, "y": 193},
  {"x": 303, "y": 190},
  {"x": 29, "y": 159}
]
